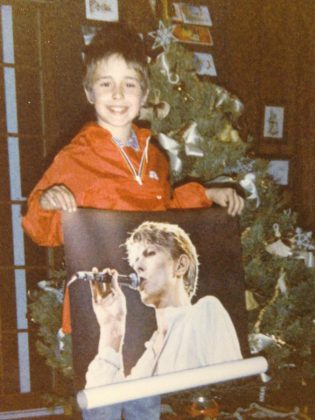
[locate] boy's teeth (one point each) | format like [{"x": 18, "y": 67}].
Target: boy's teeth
[{"x": 117, "y": 108}]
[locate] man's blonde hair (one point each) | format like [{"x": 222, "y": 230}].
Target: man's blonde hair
[{"x": 173, "y": 238}]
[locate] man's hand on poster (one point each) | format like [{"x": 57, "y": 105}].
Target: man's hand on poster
[
  {"x": 109, "y": 306},
  {"x": 227, "y": 197},
  {"x": 58, "y": 197}
]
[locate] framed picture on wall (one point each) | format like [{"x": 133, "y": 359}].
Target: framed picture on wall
[
  {"x": 273, "y": 122},
  {"x": 192, "y": 14},
  {"x": 88, "y": 33},
  {"x": 105, "y": 10},
  {"x": 205, "y": 64},
  {"x": 279, "y": 170},
  {"x": 193, "y": 34}
]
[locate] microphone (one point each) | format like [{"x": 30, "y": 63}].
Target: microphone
[{"x": 131, "y": 280}]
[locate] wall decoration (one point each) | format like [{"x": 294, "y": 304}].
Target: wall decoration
[
  {"x": 191, "y": 14},
  {"x": 205, "y": 64},
  {"x": 273, "y": 122},
  {"x": 88, "y": 33},
  {"x": 193, "y": 34},
  {"x": 279, "y": 170},
  {"x": 106, "y": 10}
]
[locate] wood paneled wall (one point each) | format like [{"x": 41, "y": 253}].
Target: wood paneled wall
[{"x": 265, "y": 53}]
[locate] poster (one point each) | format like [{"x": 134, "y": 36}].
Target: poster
[{"x": 182, "y": 260}]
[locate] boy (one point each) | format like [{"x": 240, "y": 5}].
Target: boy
[{"x": 111, "y": 164}]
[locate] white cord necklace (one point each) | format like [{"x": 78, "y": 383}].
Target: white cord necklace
[{"x": 137, "y": 175}]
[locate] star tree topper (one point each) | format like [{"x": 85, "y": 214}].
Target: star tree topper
[{"x": 163, "y": 36}]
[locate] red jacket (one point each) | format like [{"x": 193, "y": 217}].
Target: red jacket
[{"x": 93, "y": 168}]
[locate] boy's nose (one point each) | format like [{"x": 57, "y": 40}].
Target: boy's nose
[{"x": 118, "y": 91}]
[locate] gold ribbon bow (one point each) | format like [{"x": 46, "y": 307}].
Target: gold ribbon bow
[{"x": 155, "y": 108}]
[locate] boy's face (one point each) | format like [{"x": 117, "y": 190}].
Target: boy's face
[{"x": 116, "y": 95}]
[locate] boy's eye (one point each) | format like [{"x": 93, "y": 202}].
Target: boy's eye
[{"x": 132, "y": 85}]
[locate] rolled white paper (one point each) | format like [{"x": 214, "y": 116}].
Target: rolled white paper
[{"x": 177, "y": 381}]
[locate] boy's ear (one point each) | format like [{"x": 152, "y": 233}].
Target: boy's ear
[
  {"x": 182, "y": 265},
  {"x": 89, "y": 96}
]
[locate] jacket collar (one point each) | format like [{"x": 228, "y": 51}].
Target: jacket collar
[{"x": 97, "y": 134}]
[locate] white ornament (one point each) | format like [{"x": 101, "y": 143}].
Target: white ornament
[
  {"x": 303, "y": 240},
  {"x": 47, "y": 287},
  {"x": 163, "y": 36},
  {"x": 281, "y": 284},
  {"x": 172, "y": 148},
  {"x": 172, "y": 78},
  {"x": 279, "y": 249},
  {"x": 192, "y": 140},
  {"x": 259, "y": 342},
  {"x": 248, "y": 183}
]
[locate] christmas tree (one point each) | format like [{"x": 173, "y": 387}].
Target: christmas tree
[{"x": 198, "y": 124}]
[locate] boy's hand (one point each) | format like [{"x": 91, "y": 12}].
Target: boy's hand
[
  {"x": 226, "y": 197},
  {"x": 58, "y": 197}
]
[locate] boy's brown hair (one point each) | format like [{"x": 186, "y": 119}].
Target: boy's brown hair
[{"x": 116, "y": 38}]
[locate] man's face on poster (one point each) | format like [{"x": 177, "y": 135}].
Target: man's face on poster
[{"x": 156, "y": 270}]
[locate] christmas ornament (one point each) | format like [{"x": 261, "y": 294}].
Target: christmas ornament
[
  {"x": 259, "y": 342},
  {"x": 60, "y": 337},
  {"x": 49, "y": 286},
  {"x": 256, "y": 411},
  {"x": 163, "y": 36},
  {"x": 155, "y": 109},
  {"x": 278, "y": 248},
  {"x": 303, "y": 240},
  {"x": 242, "y": 166},
  {"x": 172, "y": 78},
  {"x": 248, "y": 183},
  {"x": 250, "y": 301},
  {"x": 228, "y": 102},
  {"x": 192, "y": 141},
  {"x": 222, "y": 96},
  {"x": 281, "y": 283},
  {"x": 172, "y": 148},
  {"x": 204, "y": 406},
  {"x": 307, "y": 256},
  {"x": 229, "y": 135},
  {"x": 180, "y": 87}
]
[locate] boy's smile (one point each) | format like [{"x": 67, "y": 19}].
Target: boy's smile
[{"x": 117, "y": 96}]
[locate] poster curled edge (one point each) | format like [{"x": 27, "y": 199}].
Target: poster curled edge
[{"x": 178, "y": 381}]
